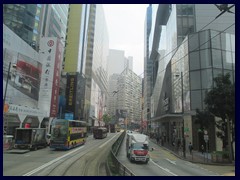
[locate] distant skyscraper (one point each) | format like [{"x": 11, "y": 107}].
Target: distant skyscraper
[
  {"x": 112, "y": 94},
  {"x": 129, "y": 63},
  {"x": 129, "y": 93},
  {"x": 116, "y": 62},
  {"x": 147, "y": 89}
]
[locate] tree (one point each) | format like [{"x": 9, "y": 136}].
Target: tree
[
  {"x": 106, "y": 118},
  {"x": 205, "y": 119},
  {"x": 220, "y": 101}
]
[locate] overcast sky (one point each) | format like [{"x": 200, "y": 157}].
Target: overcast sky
[{"x": 126, "y": 31}]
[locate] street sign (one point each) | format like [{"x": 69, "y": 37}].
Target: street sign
[
  {"x": 186, "y": 129},
  {"x": 69, "y": 116}
]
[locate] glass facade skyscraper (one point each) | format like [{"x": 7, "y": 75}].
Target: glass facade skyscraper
[
  {"x": 24, "y": 20},
  {"x": 196, "y": 50}
]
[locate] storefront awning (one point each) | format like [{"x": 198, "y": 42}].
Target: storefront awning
[{"x": 175, "y": 115}]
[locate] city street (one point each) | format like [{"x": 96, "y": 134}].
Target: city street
[{"x": 165, "y": 163}]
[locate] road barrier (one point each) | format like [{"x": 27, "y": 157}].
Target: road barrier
[{"x": 113, "y": 166}]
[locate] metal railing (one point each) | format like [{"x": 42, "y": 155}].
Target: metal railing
[{"x": 114, "y": 166}]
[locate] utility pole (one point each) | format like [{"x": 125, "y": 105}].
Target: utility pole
[
  {"x": 229, "y": 140},
  {"x": 5, "y": 92},
  {"x": 183, "y": 136}
]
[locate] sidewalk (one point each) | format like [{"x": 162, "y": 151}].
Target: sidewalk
[{"x": 198, "y": 157}]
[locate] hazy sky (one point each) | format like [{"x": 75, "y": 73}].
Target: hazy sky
[{"x": 126, "y": 31}]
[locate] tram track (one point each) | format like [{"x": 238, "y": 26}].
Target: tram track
[{"x": 85, "y": 162}]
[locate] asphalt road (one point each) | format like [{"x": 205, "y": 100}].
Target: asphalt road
[
  {"x": 86, "y": 160},
  {"x": 164, "y": 163}
]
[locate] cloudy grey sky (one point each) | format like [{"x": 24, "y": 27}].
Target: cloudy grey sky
[{"x": 126, "y": 31}]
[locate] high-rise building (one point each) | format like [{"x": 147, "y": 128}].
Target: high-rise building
[
  {"x": 96, "y": 64},
  {"x": 192, "y": 47},
  {"x": 76, "y": 38},
  {"x": 128, "y": 63},
  {"x": 75, "y": 59},
  {"x": 116, "y": 62},
  {"x": 23, "y": 31},
  {"x": 112, "y": 94},
  {"x": 24, "y": 20},
  {"x": 54, "y": 20},
  {"x": 129, "y": 93},
  {"x": 148, "y": 65}
]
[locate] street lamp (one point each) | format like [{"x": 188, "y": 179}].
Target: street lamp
[
  {"x": 184, "y": 142},
  {"x": 8, "y": 72},
  {"x": 183, "y": 137}
]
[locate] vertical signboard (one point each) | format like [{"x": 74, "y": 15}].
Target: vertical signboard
[
  {"x": 71, "y": 92},
  {"x": 56, "y": 79},
  {"x": 50, "y": 56}
]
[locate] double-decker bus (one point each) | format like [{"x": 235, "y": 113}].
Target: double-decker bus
[
  {"x": 67, "y": 134},
  {"x": 100, "y": 132}
]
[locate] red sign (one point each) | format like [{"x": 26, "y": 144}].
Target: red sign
[
  {"x": 50, "y": 43},
  {"x": 56, "y": 80}
]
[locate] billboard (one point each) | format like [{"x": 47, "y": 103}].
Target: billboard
[
  {"x": 25, "y": 71},
  {"x": 75, "y": 93},
  {"x": 71, "y": 92}
]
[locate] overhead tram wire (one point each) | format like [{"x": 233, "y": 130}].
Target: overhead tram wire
[
  {"x": 184, "y": 55},
  {"x": 199, "y": 47},
  {"x": 189, "y": 38}
]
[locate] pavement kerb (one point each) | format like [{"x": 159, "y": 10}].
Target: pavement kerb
[{"x": 207, "y": 163}]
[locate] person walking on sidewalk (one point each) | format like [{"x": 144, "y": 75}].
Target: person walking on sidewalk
[
  {"x": 202, "y": 148},
  {"x": 190, "y": 147}
]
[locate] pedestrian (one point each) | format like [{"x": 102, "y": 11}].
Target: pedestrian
[
  {"x": 190, "y": 147},
  {"x": 157, "y": 139},
  {"x": 202, "y": 148}
]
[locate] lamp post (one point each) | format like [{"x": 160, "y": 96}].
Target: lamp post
[
  {"x": 5, "y": 92},
  {"x": 184, "y": 142},
  {"x": 183, "y": 138}
]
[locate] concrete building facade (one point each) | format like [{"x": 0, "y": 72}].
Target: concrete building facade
[{"x": 129, "y": 93}]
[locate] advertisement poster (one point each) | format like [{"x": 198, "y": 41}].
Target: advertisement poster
[{"x": 25, "y": 71}]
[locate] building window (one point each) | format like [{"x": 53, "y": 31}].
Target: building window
[
  {"x": 193, "y": 42},
  {"x": 194, "y": 60},
  {"x": 207, "y": 78},
  {"x": 206, "y": 60},
  {"x": 216, "y": 73},
  {"x": 227, "y": 60},
  {"x": 217, "y": 59},
  {"x": 204, "y": 39},
  {"x": 196, "y": 102},
  {"x": 226, "y": 41},
  {"x": 195, "y": 80},
  {"x": 215, "y": 40}
]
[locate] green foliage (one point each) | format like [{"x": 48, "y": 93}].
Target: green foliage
[
  {"x": 220, "y": 101},
  {"x": 204, "y": 119},
  {"x": 106, "y": 118},
  {"x": 224, "y": 154}
]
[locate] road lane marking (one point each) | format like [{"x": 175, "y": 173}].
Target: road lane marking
[
  {"x": 107, "y": 141},
  {"x": 172, "y": 162},
  {"x": 165, "y": 169},
  {"x": 51, "y": 162}
]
